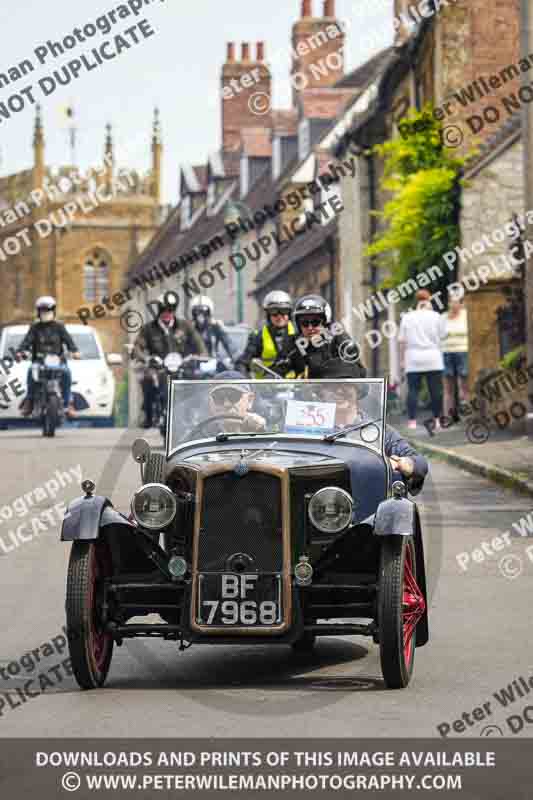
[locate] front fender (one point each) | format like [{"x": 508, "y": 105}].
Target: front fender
[
  {"x": 400, "y": 517},
  {"x": 85, "y": 516},
  {"x": 395, "y": 517}
]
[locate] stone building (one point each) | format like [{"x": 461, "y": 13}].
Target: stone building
[
  {"x": 463, "y": 59},
  {"x": 74, "y": 235}
]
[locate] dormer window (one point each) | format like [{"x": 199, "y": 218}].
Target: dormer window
[
  {"x": 211, "y": 195},
  {"x": 245, "y": 175},
  {"x": 304, "y": 138},
  {"x": 276, "y": 158},
  {"x": 185, "y": 212}
]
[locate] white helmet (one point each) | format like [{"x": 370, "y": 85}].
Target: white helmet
[
  {"x": 202, "y": 304},
  {"x": 277, "y": 300},
  {"x": 45, "y": 303},
  {"x": 46, "y": 308}
]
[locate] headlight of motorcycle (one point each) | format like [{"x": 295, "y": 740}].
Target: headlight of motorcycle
[
  {"x": 153, "y": 506},
  {"x": 330, "y": 509}
]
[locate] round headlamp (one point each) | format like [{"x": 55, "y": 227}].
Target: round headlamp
[
  {"x": 153, "y": 506},
  {"x": 330, "y": 509}
]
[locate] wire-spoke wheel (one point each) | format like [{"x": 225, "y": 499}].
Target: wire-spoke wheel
[
  {"x": 400, "y": 606},
  {"x": 90, "y": 645}
]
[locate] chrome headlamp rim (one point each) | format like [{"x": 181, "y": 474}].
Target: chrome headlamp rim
[
  {"x": 142, "y": 523},
  {"x": 340, "y": 491}
]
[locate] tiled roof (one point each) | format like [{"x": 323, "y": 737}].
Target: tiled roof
[
  {"x": 296, "y": 251},
  {"x": 324, "y": 103},
  {"x": 362, "y": 74},
  {"x": 256, "y": 142}
]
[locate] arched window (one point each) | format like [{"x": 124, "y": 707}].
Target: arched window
[{"x": 95, "y": 276}]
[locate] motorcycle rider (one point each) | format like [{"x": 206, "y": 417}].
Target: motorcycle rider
[
  {"x": 211, "y": 330},
  {"x": 47, "y": 336},
  {"x": 319, "y": 344},
  {"x": 166, "y": 334},
  {"x": 273, "y": 341}
]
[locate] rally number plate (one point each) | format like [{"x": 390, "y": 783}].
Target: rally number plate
[{"x": 231, "y": 600}]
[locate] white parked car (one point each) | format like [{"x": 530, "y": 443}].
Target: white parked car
[{"x": 93, "y": 382}]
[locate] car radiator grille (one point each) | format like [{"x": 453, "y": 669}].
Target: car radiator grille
[{"x": 241, "y": 515}]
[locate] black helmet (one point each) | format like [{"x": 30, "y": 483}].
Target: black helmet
[
  {"x": 312, "y": 304},
  {"x": 167, "y": 302}
]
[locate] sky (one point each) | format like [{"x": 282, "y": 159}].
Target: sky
[{"x": 177, "y": 69}]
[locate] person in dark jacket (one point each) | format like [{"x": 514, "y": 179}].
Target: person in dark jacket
[
  {"x": 272, "y": 342},
  {"x": 45, "y": 337},
  {"x": 403, "y": 456},
  {"x": 166, "y": 334},
  {"x": 319, "y": 343},
  {"x": 211, "y": 331}
]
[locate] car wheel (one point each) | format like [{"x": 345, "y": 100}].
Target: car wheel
[
  {"x": 400, "y": 606},
  {"x": 154, "y": 471},
  {"x": 305, "y": 644},
  {"x": 90, "y": 646}
]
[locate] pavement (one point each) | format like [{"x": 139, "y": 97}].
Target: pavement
[
  {"x": 480, "y": 623},
  {"x": 506, "y": 457}
]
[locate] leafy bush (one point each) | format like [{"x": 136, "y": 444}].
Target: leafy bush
[{"x": 422, "y": 216}]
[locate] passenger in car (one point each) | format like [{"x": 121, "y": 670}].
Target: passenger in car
[{"x": 403, "y": 456}]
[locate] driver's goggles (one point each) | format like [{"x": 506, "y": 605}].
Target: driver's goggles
[
  {"x": 222, "y": 396},
  {"x": 278, "y": 312}
]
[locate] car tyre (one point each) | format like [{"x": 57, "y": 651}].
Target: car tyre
[
  {"x": 400, "y": 606},
  {"x": 154, "y": 471},
  {"x": 90, "y": 646}
]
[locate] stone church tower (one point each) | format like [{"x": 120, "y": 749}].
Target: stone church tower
[{"x": 74, "y": 235}]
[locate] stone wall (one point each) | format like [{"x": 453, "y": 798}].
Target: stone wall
[{"x": 489, "y": 199}]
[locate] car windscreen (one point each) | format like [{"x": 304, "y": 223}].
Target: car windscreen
[
  {"x": 12, "y": 342},
  {"x": 230, "y": 409},
  {"x": 86, "y": 344}
]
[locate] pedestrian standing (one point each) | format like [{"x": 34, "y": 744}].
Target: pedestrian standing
[
  {"x": 455, "y": 351},
  {"x": 421, "y": 333}
]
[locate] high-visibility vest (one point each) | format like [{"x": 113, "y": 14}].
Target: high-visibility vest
[{"x": 269, "y": 353}]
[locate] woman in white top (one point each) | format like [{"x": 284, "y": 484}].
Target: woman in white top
[{"x": 455, "y": 351}]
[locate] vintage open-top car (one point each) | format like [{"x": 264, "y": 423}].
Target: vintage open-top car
[{"x": 274, "y": 517}]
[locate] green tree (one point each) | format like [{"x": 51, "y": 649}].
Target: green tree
[{"x": 422, "y": 215}]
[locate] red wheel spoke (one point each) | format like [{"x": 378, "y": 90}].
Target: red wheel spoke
[{"x": 413, "y": 605}]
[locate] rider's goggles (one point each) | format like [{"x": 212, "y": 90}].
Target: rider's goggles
[
  {"x": 310, "y": 322},
  {"x": 278, "y": 312}
]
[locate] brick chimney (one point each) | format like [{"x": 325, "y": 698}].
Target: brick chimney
[
  {"x": 316, "y": 42},
  {"x": 246, "y": 93}
]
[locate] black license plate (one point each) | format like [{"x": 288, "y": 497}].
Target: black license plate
[{"x": 238, "y": 600}]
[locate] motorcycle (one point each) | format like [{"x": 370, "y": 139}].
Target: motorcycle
[
  {"x": 47, "y": 377},
  {"x": 190, "y": 368}
]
